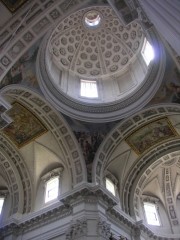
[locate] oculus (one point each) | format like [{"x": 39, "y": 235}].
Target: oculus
[{"x": 92, "y": 18}]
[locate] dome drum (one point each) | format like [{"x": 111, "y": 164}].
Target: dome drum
[{"x": 108, "y": 54}]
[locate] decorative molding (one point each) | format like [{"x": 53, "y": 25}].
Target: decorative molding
[
  {"x": 103, "y": 229},
  {"x": 125, "y": 128},
  {"x": 77, "y": 229},
  {"x": 162, "y": 161},
  {"x": 54, "y": 121},
  {"x": 151, "y": 160},
  {"x": 104, "y": 111},
  {"x": 4, "y": 193},
  {"x": 17, "y": 171},
  {"x": 170, "y": 201},
  {"x": 30, "y": 25},
  {"x": 57, "y": 172},
  {"x": 120, "y": 44},
  {"x": 31, "y": 222},
  {"x": 88, "y": 193}
]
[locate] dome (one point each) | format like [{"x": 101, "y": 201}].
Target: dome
[
  {"x": 94, "y": 43},
  {"x": 93, "y": 47}
]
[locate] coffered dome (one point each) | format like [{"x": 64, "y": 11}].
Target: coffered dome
[
  {"x": 92, "y": 46},
  {"x": 94, "y": 43}
]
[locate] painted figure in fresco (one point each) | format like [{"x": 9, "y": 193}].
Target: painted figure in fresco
[
  {"x": 89, "y": 143},
  {"x": 176, "y": 90}
]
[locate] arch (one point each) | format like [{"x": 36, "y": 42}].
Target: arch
[
  {"x": 54, "y": 121},
  {"x": 32, "y": 27},
  {"x": 16, "y": 171},
  {"x": 119, "y": 134},
  {"x": 166, "y": 152}
]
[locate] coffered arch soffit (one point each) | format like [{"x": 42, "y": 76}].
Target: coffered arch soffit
[
  {"x": 31, "y": 27},
  {"x": 165, "y": 170},
  {"x": 54, "y": 122},
  {"x": 117, "y": 140},
  {"x": 35, "y": 26},
  {"x": 16, "y": 172}
]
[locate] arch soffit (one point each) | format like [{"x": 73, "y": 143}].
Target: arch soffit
[
  {"x": 32, "y": 27},
  {"x": 123, "y": 129},
  {"x": 73, "y": 158},
  {"x": 169, "y": 157},
  {"x": 16, "y": 172}
]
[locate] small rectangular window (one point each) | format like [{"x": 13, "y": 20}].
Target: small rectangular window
[
  {"x": 152, "y": 216},
  {"x": 110, "y": 186},
  {"x": 1, "y": 204},
  {"x": 89, "y": 89},
  {"x": 52, "y": 189},
  {"x": 147, "y": 52}
]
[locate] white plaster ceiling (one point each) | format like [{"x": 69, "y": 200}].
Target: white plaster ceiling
[{"x": 95, "y": 51}]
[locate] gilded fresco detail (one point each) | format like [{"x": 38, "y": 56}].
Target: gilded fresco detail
[
  {"x": 23, "y": 71},
  {"x": 25, "y": 126},
  {"x": 151, "y": 134},
  {"x": 13, "y": 5}
]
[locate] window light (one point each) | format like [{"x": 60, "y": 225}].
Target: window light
[
  {"x": 147, "y": 52},
  {"x": 110, "y": 186},
  {"x": 89, "y": 89},
  {"x": 52, "y": 189},
  {"x": 92, "y": 18},
  {"x": 1, "y": 204},
  {"x": 151, "y": 214}
]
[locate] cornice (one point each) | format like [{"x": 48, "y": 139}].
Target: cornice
[
  {"x": 104, "y": 111},
  {"x": 33, "y": 221},
  {"x": 90, "y": 194},
  {"x": 137, "y": 228},
  {"x": 22, "y": 224}
]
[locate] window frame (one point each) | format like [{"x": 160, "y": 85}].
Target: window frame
[
  {"x": 3, "y": 195},
  {"x": 143, "y": 50},
  {"x": 46, "y": 200},
  {"x": 89, "y": 81},
  {"x": 55, "y": 173},
  {"x": 156, "y": 211},
  {"x": 113, "y": 180},
  {"x": 114, "y": 187},
  {"x": 1, "y": 208}
]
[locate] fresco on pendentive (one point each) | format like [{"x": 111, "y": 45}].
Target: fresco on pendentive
[
  {"x": 24, "y": 70},
  {"x": 169, "y": 91},
  {"x": 89, "y": 137}
]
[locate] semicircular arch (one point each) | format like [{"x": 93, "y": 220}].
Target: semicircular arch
[
  {"x": 16, "y": 171},
  {"x": 54, "y": 121},
  {"x": 119, "y": 134}
]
